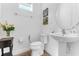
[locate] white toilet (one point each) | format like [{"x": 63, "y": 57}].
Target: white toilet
[{"x": 37, "y": 48}]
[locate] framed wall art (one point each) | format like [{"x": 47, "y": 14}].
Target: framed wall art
[{"x": 45, "y": 16}]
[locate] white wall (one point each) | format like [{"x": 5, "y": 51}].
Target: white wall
[
  {"x": 52, "y": 26},
  {"x": 0, "y": 10},
  {"x": 68, "y": 15},
  {"x": 24, "y": 25}
]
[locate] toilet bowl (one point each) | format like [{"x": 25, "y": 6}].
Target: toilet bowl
[{"x": 37, "y": 48}]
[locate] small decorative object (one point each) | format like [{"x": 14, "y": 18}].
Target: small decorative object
[
  {"x": 45, "y": 16},
  {"x": 7, "y": 27}
]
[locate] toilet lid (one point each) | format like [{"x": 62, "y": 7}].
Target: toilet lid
[{"x": 36, "y": 43}]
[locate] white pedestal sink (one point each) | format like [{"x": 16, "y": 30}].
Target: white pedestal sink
[
  {"x": 66, "y": 37},
  {"x": 65, "y": 41}
]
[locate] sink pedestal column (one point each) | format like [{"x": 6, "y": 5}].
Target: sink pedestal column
[
  {"x": 62, "y": 48},
  {"x": 55, "y": 47}
]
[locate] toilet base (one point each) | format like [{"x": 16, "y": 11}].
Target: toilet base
[{"x": 37, "y": 52}]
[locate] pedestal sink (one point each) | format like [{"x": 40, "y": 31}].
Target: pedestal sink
[
  {"x": 65, "y": 37},
  {"x": 65, "y": 42}
]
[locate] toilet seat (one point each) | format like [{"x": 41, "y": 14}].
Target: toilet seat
[{"x": 36, "y": 45}]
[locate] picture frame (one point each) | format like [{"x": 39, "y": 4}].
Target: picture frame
[
  {"x": 45, "y": 16},
  {"x": 45, "y": 20},
  {"x": 45, "y": 12}
]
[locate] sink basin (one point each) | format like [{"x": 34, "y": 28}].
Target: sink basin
[{"x": 66, "y": 37}]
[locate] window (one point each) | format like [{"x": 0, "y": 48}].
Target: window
[{"x": 26, "y": 6}]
